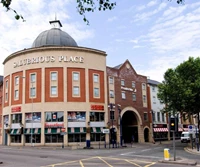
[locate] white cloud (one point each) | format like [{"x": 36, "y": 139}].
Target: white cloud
[{"x": 111, "y": 19}]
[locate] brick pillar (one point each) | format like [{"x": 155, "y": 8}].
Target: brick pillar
[{"x": 140, "y": 134}]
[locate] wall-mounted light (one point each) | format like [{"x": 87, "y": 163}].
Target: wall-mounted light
[
  {"x": 88, "y": 123},
  {"x": 108, "y": 123}
]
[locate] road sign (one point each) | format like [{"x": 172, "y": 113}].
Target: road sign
[
  {"x": 191, "y": 128},
  {"x": 63, "y": 133},
  {"x": 106, "y": 131}
]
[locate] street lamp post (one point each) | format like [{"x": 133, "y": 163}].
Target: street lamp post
[
  {"x": 112, "y": 118},
  {"x": 120, "y": 121}
]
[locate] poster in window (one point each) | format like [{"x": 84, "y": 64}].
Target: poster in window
[
  {"x": 33, "y": 117},
  {"x": 76, "y": 117},
  {"x": 6, "y": 120}
]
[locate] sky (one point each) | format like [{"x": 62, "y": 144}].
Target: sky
[{"x": 154, "y": 35}]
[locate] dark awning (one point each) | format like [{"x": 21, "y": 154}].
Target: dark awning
[
  {"x": 28, "y": 131},
  {"x": 52, "y": 130},
  {"x": 15, "y": 132},
  {"x": 96, "y": 130}
]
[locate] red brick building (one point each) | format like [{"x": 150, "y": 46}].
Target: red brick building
[
  {"x": 127, "y": 91},
  {"x": 1, "y": 95}
]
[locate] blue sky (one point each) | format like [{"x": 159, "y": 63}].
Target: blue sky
[{"x": 153, "y": 35}]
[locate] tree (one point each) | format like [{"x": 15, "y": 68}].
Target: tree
[
  {"x": 83, "y": 6},
  {"x": 180, "y": 90}
]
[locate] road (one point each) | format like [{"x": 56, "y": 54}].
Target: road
[{"x": 140, "y": 155}]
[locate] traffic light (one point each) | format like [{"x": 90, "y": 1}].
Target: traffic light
[{"x": 173, "y": 124}]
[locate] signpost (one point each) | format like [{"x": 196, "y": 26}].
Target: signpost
[
  {"x": 63, "y": 133},
  {"x": 106, "y": 131}
]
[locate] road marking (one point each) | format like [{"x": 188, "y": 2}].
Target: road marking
[
  {"x": 81, "y": 163},
  {"x": 133, "y": 163},
  {"x": 143, "y": 156},
  {"x": 145, "y": 150},
  {"x": 150, "y": 164},
  {"x": 128, "y": 153},
  {"x": 105, "y": 162}
]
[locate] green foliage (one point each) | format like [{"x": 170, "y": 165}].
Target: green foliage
[
  {"x": 83, "y": 6},
  {"x": 180, "y": 90}
]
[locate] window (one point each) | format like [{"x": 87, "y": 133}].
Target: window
[
  {"x": 144, "y": 98},
  {"x": 36, "y": 138},
  {"x": 54, "y": 76},
  {"x": 145, "y": 116},
  {"x": 96, "y": 92},
  {"x": 163, "y": 117},
  {"x": 154, "y": 99},
  {"x": 111, "y": 80},
  {"x": 16, "y": 80},
  {"x": 122, "y": 82},
  {"x": 96, "y": 116},
  {"x": 33, "y": 78},
  {"x": 96, "y": 78},
  {"x": 54, "y": 116},
  {"x": 33, "y": 92},
  {"x": 133, "y": 84},
  {"x": 6, "y": 98},
  {"x": 33, "y": 117},
  {"x": 158, "y": 116},
  {"x": 123, "y": 95},
  {"x": 97, "y": 137},
  {"x": 154, "y": 118},
  {"x": 16, "y": 94},
  {"x": 76, "y": 137},
  {"x": 153, "y": 88},
  {"x": 15, "y": 138},
  {"x": 7, "y": 84},
  {"x": 16, "y": 118},
  {"x": 143, "y": 86},
  {"x": 134, "y": 96},
  {"x": 53, "y": 90},
  {"x": 111, "y": 94},
  {"x": 53, "y": 138},
  {"x": 76, "y": 91},
  {"x": 75, "y": 76}
]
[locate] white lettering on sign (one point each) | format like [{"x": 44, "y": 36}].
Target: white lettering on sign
[
  {"x": 129, "y": 89},
  {"x": 48, "y": 59}
]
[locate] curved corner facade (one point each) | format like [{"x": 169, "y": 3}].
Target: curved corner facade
[{"x": 55, "y": 95}]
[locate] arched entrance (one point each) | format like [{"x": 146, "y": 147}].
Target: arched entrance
[
  {"x": 146, "y": 135},
  {"x": 129, "y": 126}
]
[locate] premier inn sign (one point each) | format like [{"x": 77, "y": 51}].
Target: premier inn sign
[{"x": 49, "y": 59}]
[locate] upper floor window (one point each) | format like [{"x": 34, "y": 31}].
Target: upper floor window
[
  {"x": 111, "y": 80},
  {"x": 163, "y": 117},
  {"x": 122, "y": 82},
  {"x": 16, "y": 94},
  {"x": 54, "y": 76},
  {"x": 143, "y": 86},
  {"x": 76, "y": 90},
  {"x": 96, "y": 78},
  {"x": 96, "y": 92},
  {"x": 16, "y": 118},
  {"x": 111, "y": 93},
  {"x": 134, "y": 96},
  {"x": 6, "y": 98},
  {"x": 6, "y": 84},
  {"x": 158, "y": 116},
  {"x": 53, "y": 90},
  {"x": 144, "y": 98},
  {"x": 97, "y": 116},
  {"x": 112, "y": 115},
  {"x": 33, "y": 77},
  {"x": 153, "y": 88},
  {"x": 16, "y": 80},
  {"x": 75, "y": 76},
  {"x": 145, "y": 116},
  {"x": 54, "y": 116},
  {"x": 133, "y": 84},
  {"x": 154, "y": 99},
  {"x": 32, "y": 92},
  {"x": 123, "y": 95}
]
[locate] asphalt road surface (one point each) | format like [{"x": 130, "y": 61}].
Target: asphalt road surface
[{"x": 140, "y": 155}]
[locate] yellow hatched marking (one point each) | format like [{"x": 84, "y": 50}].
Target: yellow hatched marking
[
  {"x": 150, "y": 164},
  {"x": 81, "y": 164},
  {"x": 105, "y": 162},
  {"x": 133, "y": 163}
]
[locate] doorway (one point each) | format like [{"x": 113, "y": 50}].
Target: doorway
[{"x": 146, "y": 135}]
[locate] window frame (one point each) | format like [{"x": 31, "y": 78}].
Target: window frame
[
  {"x": 96, "y": 78},
  {"x": 51, "y": 90},
  {"x": 54, "y": 75},
  {"x": 16, "y": 80}
]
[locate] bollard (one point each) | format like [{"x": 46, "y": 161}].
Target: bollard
[
  {"x": 166, "y": 154},
  {"x": 105, "y": 144}
]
